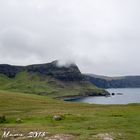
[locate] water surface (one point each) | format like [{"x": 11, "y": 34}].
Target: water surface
[{"x": 125, "y": 96}]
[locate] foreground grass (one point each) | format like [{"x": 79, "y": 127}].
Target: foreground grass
[{"x": 84, "y": 121}]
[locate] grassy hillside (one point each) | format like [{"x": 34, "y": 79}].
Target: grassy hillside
[
  {"x": 82, "y": 121},
  {"x": 46, "y": 85}
]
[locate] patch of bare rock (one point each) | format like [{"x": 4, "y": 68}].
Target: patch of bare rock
[
  {"x": 60, "y": 137},
  {"x": 105, "y": 136}
]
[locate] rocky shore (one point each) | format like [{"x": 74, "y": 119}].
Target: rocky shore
[{"x": 77, "y": 97}]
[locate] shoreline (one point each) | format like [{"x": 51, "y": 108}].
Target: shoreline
[{"x": 77, "y": 97}]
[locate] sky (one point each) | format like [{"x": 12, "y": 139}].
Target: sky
[{"x": 100, "y": 36}]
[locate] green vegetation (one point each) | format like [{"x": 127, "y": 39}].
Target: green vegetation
[
  {"x": 23, "y": 110},
  {"x": 46, "y": 85},
  {"x": 83, "y": 121}
]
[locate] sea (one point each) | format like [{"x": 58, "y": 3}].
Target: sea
[{"x": 118, "y": 96}]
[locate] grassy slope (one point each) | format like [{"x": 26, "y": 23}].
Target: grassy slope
[
  {"x": 84, "y": 121},
  {"x": 33, "y": 83}
]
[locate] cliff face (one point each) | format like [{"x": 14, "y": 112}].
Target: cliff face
[
  {"x": 70, "y": 73},
  {"x": 9, "y": 70},
  {"x": 115, "y": 82},
  {"x": 63, "y": 73},
  {"x": 48, "y": 79}
]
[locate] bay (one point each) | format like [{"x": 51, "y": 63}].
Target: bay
[{"x": 122, "y": 96}]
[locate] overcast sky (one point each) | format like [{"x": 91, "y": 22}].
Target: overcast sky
[{"x": 100, "y": 36}]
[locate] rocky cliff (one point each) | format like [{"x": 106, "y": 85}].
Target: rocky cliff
[
  {"x": 48, "y": 79},
  {"x": 64, "y": 73},
  {"x": 114, "y": 82}
]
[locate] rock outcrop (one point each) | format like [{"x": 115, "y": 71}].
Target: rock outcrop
[
  {"x": 49, "y": 79},
  {"x": 10, "y": 70},
  {"x": 64, "y": 73}
]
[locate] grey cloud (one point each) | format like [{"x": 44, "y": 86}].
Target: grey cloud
[{"x": 102, "y": 37}]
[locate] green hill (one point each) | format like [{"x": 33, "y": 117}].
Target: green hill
[{"x": 47, "y": 79}]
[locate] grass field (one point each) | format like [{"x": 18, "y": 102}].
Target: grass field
[{"x": 83, "y": 121}]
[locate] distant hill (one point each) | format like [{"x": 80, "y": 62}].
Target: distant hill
[
  {"x": 47, "y": 79},
  {"x": 114, "y": 82}
]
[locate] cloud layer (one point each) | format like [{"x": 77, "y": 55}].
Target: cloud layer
[{"x": 102, "y": 37}]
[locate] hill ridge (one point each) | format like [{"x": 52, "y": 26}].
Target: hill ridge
[
  {"x": 114, "y": 82},
  {"x": 48, "y": 79},
  {"x": 65, "y": 73}
]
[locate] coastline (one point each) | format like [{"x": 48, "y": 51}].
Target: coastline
[{"x": 77, "y": 97}]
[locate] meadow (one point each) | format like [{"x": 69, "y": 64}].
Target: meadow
[{"x": 82, "y": 121}]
